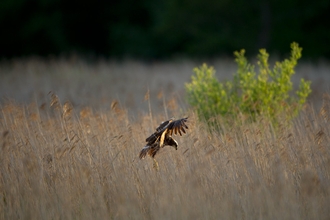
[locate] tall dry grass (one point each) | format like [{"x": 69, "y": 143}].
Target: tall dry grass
[{"x": 61, "y": 163}]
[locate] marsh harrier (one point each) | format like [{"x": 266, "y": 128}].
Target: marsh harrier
[{"x": 163, "y": 136}]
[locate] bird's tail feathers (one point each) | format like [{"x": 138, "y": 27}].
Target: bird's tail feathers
[{"x": 144, "y": 152}]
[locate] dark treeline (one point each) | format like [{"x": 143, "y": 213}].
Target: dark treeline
[{"x": 162, "y": 28}]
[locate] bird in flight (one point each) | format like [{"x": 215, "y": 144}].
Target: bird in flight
[{"x": 163, "y": 136}]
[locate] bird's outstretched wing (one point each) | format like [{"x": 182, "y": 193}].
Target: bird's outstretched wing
[
  {"x": 177, "y": 126},
  {"x": 173, "y": 127},
  {"x": 156, "y": 135},
  {"x": 164, "y": 124},
  {"x": 168, "y": 127}
]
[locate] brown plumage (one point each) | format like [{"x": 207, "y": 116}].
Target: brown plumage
[{"x": 163, "y": 136}]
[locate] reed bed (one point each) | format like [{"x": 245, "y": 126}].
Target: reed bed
[
  {"x": 95, "y": 84},
  {"x": 58, "y": 162}
]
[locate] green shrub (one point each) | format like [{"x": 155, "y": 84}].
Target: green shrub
[{"x": 267, "y": 93}]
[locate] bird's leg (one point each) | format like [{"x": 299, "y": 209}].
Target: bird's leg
[{"x": 155, "y": 164}]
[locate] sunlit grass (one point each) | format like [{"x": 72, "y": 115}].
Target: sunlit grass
[{"x": 61, "y": 162}]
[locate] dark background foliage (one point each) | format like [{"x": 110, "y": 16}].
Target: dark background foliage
[{"x": 162, "y": 28}]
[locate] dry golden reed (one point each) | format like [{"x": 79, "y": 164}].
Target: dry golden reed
[{"x": 61, "y": 163}]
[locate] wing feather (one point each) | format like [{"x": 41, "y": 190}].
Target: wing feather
[
  {"x": 162, "y": 138},
  {"x": 177, "y": 126},
  {"x": 153, "y": 138},
  {"x": 182, "y": 129},
  {"x": 159, "y": 131},
  {"x": 164, "y": 124}
]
